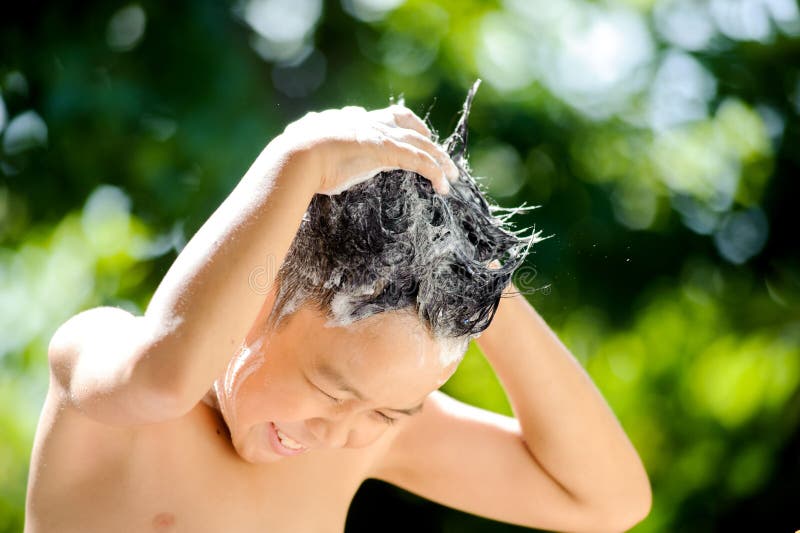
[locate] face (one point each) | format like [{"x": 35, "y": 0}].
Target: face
[{"x": 312, "y": 386}]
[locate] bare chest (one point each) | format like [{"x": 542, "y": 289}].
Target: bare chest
[{"x": 183, "y": 475}]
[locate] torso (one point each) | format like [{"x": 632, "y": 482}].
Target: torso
[{"x": 180, "y": 475}]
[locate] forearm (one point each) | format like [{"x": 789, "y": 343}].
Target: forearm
[
  {"x": 566, "y": 423},
  {"x": 204, "y": 306}
]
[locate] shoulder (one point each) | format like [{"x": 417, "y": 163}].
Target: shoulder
[
  {"x": 72, "y": 336},
  {"x": 109, "y": 364}
]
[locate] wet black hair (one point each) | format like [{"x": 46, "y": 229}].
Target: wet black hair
[{"x": 392, "y": 243}]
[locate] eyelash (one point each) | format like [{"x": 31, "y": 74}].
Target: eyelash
[
  {"x": 335, "y": 400},
  {"x": 389, "y": 420},
  {"x": 338, "y": 401}
]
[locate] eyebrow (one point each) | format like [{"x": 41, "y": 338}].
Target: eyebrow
[{"x": 341, "y": 383}]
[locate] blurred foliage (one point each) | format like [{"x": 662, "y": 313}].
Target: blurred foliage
[{"x": 659, "y": 136}]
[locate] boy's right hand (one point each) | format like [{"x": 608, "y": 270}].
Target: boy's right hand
[{"x": 350, "y": 145}]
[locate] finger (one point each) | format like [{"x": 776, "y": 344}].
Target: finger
[
  {"x": 401, "y": 116},
  {"x": 405, "y": 118},
  {"x": 409, "y": 157},
  {"x": 424, "y": 143}
]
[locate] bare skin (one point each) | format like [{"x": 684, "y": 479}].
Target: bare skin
[
  {"x": 215, "y": 469},
  {"x": 195, "y": 418}
]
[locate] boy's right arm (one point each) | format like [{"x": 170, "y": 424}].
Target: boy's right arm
[{"x": 121, "y": 369}]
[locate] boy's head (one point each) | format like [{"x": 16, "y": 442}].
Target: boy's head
[
  {"x": 372, "y": 309},
  {"x": 392, "y": 243}
]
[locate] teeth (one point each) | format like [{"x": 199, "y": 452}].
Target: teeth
[{"x": 286, "y": 441}]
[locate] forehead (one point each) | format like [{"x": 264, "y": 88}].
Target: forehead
[{"x": 381, "y": 353}]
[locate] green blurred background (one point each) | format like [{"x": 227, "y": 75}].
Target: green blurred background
[{"x": 660, "y": 138}]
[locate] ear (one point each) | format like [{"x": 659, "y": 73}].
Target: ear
[{"x": 456, "y": 144}]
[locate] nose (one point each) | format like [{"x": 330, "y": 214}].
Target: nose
[
  {"x": 330, "y": 433},
  {"x": 344, "y": 433}
]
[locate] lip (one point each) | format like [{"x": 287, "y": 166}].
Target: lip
[{"x": 275, "y": 442}]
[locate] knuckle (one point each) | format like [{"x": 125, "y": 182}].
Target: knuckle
[
  {"x": 384, "y": 116},
  {"x": 402, "y": 111},
  {"x": 415, "y": 138},
  {"x": 428, "y": 160},
  {"x": 386, "y": 143},
  {"x": 413, "y": 135}
]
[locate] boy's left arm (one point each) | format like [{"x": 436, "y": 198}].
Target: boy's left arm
[
  {"x": 564, "y": 463},
  {"x": 566, "y": 423}
]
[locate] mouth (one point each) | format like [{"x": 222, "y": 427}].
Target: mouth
[{"x": 282, "y": 443}]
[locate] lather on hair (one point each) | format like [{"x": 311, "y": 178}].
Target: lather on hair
[{"x": 392, "y": 243}]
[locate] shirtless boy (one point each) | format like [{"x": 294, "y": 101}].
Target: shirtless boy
[{"x": 228, "y": 408}]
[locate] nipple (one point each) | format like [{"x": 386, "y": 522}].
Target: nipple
[{"x": 164, "y": 522}]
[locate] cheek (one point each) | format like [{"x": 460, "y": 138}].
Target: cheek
[
  {"x": 276, "y": 394},
  {"x": 366, "y": 434}
]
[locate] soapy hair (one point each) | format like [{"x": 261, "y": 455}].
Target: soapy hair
[{"x": 392, "y": 243}]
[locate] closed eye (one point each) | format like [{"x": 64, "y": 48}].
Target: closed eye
[
  {"x": 385, "y": 418},
  {"x": 388, "y": 419},
  {"x": 334, "y": 399}
]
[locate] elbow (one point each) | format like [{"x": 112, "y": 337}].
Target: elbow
[
  {"x": 631, "y": 516},
  {"x": 626, "y": 512},
  {"x": 631, "y": 501},
  {"x": 640, "y": 503},
  {"x": 646, "y": 505}
]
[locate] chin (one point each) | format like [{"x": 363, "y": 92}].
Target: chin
[
  {"x": 249, "y": 447},
  {"x": 258, "y": 458}
]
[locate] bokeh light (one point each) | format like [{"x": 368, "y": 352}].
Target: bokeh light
[
  {"x": 658, "y": 136},
  {"x": 126, "y": 28},
  {"x": 25, "y": 131}
]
